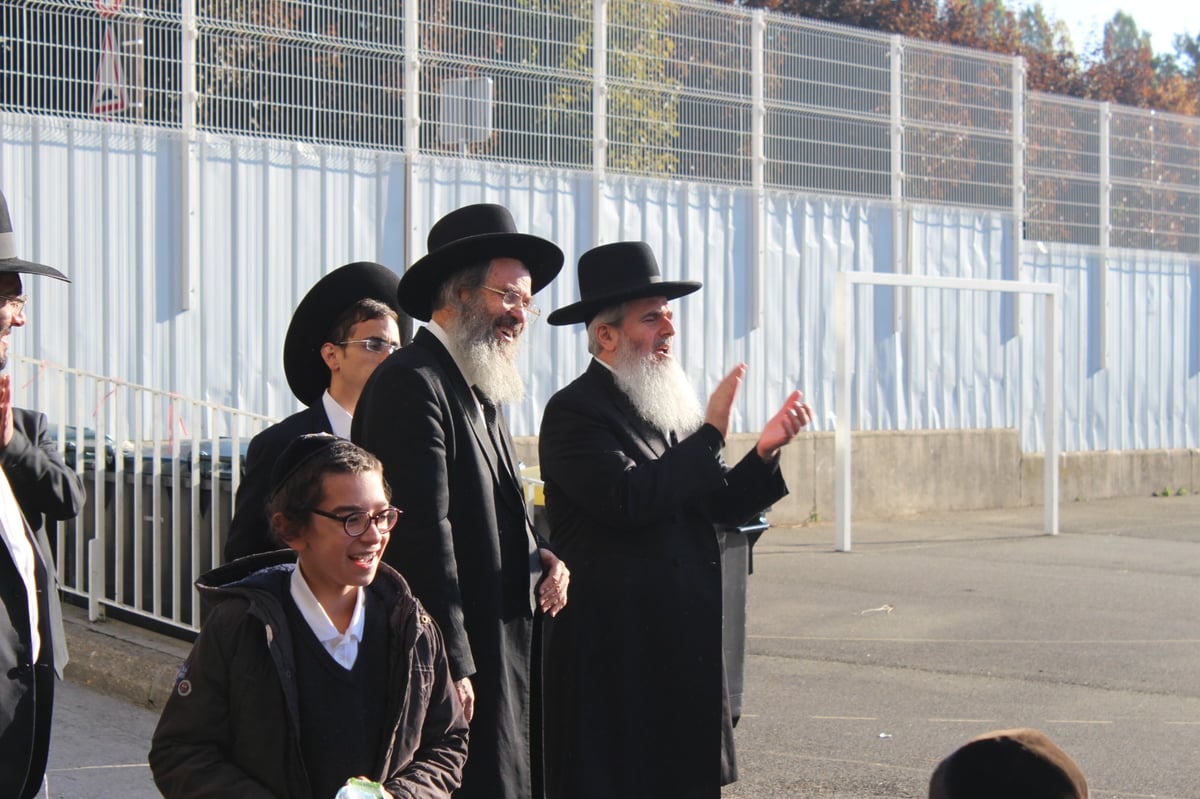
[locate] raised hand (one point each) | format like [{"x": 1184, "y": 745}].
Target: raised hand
[
  {"x": 783, "y": 426},
  {"x": 720, "y": 403}
]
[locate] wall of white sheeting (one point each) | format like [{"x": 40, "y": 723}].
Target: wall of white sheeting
[{"x": 188, "y": 256}]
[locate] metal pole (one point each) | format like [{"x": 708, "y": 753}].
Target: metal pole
[
  {"x": 841, "y": 435},
  {"x": 599, "y": 110},
  {"x": 1050, "y": 471}
]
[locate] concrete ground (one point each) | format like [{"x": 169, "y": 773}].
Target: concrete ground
[{"x": 864, "y": 668}]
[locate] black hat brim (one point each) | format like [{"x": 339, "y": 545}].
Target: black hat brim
[
  {"x": 584, "y": 310},
  {"x": 306, "y": 372},
  {"x": 421, "y": 281},
  {"x": 24, "y": 267}
]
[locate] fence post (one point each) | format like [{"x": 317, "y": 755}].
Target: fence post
[
  {"x": 1018, "y": 183},
  {"x": 758, "y": 160},
  {"x": 599, "y": 109},
  {"x": 189, "y": 195}
]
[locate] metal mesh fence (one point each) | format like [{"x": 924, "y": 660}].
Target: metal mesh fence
[
  {"x": 829, "y": 109},
  {"x": 660, "y": 88}
]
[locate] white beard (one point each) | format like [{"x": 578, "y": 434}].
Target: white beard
[
  {"x": 488, "y": 362},
  {"x": 658, "y": 389}
]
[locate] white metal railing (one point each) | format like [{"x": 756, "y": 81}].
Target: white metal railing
[
  {"x": 160, "y": 472},
  {"x": 661, "y": 88}
]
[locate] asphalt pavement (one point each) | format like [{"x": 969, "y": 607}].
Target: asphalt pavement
[{"x": 864, "y": 668}]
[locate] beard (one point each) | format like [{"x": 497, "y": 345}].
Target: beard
[
  {"x": 488, "y": 363},
  {"x": 658, "y": 389}
]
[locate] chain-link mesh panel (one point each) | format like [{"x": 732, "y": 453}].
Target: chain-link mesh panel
[
  {"x": 958, "y": 126},
  {"x": 1062, "y": 170}
]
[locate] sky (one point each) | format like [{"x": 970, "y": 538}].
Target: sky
[{"x": 1163, "y": 19}]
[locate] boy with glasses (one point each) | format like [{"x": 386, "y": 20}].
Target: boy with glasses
[
  {"x": 344, "y": 327},
  {"x": 316, "y": 665}
]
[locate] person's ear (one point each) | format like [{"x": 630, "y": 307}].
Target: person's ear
[
  {"x": 607, "y": 336},
  {"x": 330, "y": 355},
  {"x": 287, "y": 532}
]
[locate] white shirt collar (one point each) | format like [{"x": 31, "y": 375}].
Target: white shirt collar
[
  {"x": 340, "y": 419},
  {"x": 342, "y": 646}
]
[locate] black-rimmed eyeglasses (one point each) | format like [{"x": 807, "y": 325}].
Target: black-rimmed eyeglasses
[
  {"x": 512, "y": 298},
  {"x": 356, "y": 522},
  {"x": 16, "y": 300},
  {"x": 373, "y": 344}
]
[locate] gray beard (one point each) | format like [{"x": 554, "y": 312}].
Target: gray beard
[
  {"x": 487, "y": 362},
  {"x": 659, "y": 391}
]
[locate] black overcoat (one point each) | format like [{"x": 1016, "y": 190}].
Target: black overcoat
[
  {"x": 26, "y": 687},
  {"x": 250, "y": 528},
  {"x": 466, "y": 546},
  {"x": 45, "y": 487},
  {"x": 635, "y": 692}
]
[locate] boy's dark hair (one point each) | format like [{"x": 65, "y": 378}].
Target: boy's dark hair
[
  {"x": 362, "y": 311},
  {"x": 298, "y": 483}
]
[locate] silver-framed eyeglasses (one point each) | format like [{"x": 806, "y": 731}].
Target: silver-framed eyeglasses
[
  {"x": 356, "y": 522},
  {"x": 373, "y": 344},
  {"x": 16, "y": 300},
  {"x": 512, "y": 298}
]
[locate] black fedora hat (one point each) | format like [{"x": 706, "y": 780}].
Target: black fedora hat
[
  {"x": 9, "y": 262},
  {"x": 307, "y": 374},
  {"x": 463, "y": 238},
  {"x": 613, "y": 273}
]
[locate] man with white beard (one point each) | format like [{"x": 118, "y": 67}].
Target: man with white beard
[
  {"x": 464, "y": 542},
  {"x": 636, "y": 699}
]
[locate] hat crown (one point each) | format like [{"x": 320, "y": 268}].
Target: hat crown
[
  {"x": 481, "y": 219},
  {"x": 617, "y": 268},
  {"x": 9, "y": 261},
  {"x": 611, "y": 274},
  {"x": 5, "y": 220}
]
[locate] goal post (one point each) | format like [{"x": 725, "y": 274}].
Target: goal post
[{"x": 844, "y": 283}]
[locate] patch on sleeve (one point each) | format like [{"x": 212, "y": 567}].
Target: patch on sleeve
[{"x": 183, "y": 686}]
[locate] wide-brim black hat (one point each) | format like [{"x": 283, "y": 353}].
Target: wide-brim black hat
[
  {"x": 613, "y": 273},
  {"x": 9, "y": 262},
  {"x": 465, "y": 237},
  {"x": 307, "y": 374}
]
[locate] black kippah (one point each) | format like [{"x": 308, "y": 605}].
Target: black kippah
[{"x": 296, "y": 454}]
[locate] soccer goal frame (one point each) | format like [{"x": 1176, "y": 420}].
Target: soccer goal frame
[{"x": 844, "y": 284}]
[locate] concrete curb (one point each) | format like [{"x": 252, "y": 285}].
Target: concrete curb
[{"x": 122, "y": 660}]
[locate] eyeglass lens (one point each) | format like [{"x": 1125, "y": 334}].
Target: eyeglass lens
[{"x": 356, "y": 523}]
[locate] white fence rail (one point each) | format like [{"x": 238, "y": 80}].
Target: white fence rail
[
  {"x": 682, "y": 90},
  {"x": 157, "y": 508}
]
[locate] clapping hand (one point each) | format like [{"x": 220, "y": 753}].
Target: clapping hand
[{"x": 784, "y": 426}]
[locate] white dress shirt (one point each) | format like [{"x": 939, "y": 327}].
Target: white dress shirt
[{"x": 342, "y": 646}]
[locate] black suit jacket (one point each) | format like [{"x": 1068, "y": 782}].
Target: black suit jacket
[
  {"x": 464, "y": 543},
  {"x": 42, "y": 482},
  {"x": 250, "y": 527},
  {"x": 26, "y": 688}
]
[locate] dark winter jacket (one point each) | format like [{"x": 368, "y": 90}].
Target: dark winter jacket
[{"x": 230, "y": 728}]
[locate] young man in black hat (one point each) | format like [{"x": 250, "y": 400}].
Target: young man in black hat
[
  {"x": 465, "y": 543},
  {"x": 636, "y": 698},
  {"x": 341, "y": 331},
  {"x": 33, "y": 481}
]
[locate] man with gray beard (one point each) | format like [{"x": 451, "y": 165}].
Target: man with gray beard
[
  {"x": 431, "y": 414},
  {"x": 636, "y": 698}
]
